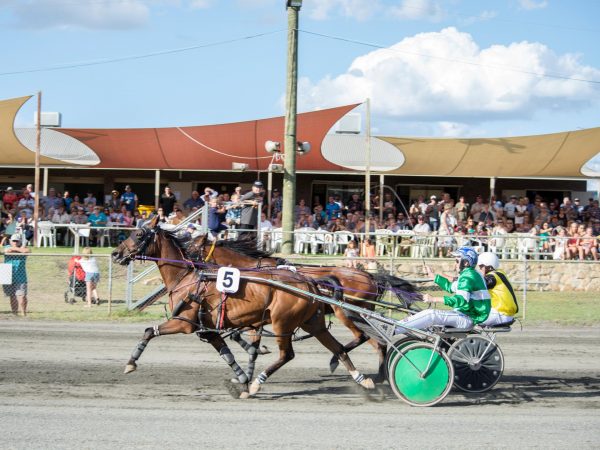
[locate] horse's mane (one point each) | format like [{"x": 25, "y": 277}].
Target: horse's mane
[
  {"x": 247, "y": 247},
  {"x": 182, "y": 241}
]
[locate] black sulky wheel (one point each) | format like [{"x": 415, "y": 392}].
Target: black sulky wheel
[{"x": 478, "y": 363}]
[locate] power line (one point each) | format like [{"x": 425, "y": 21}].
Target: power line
[
  {"x": 453, "y": 60},
  {"x": 142, "y": 56}
]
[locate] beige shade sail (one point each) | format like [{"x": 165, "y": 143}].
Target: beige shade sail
[
  {"x": 557, "y": 155},
  {"x": 12, "y": 151}
]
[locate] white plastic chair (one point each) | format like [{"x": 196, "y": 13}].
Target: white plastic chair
[
  {"x": 497, "y": 244},
  {"x": 303, "y": 238},
  {"x": 46, "y": 234},
  {"x": 276, "y": 239},
  {"x": 528, "y": 245},
  {"x": 405, "y": 241},
  {"x": 384, "y": 242},
  {"x": 340, "y": 241}
]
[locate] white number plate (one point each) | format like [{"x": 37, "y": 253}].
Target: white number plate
[{"x": 228, "y": 280}]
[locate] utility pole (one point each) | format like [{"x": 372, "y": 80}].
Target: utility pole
[{"x": 290, "y": 143}]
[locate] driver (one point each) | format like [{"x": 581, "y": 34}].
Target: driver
[
  {"x": 470, "y": 298},
  {"x": 504, "y": 300}
]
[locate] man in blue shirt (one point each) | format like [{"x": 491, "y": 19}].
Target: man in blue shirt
[
  {"x": 129, "y": 199},
  {"x": 332, "y": 209},
  {"x": 14, "y": 254}
]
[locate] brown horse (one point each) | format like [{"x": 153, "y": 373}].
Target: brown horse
[
  {"x": 201, "y": 308},
  {"x": 352, "y": 285}
]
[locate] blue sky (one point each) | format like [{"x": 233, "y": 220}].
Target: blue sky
[{"x": 430, "y": 67}]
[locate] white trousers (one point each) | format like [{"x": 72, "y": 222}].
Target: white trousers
[
  {"x": 495, "y": 318},
  {"x": 429, "y": 317}
]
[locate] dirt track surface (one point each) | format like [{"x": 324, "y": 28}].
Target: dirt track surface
[{"x": 62, "y": 386}]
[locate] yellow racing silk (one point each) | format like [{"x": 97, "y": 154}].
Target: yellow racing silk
[{"x": 503, "y": 296}]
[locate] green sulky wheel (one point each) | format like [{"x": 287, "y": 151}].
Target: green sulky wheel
[
  {"x": 478, "y": 363},
  {"x": 398, "y": 342},
  {"x": 421, "y": 375}
]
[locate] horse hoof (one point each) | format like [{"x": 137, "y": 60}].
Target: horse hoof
[
  {"x": 244, "y": 395},
  {"x": 129, "y": 368},
  {"x": 333, "y": 364},
  {"x": 254, "y": 388},
  {"x": 367, "y": 383},
  {"x": 234, "y": 381},
  {"x": 264, "y": 350}
]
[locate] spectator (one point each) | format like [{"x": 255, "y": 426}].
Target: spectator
[
  {"x": 276, "y": 202},
  {"x": 432, "y": 213},
  {"x": 486, "y": 214},
  {"x": 520, "y": 212},
  {"x": 24, "y": 226},
  {"x": 588, "y": 245},
  {"x": 15, "y": 255},
  {"x": 510, "y": 208},
  {"x": 161, "y": 215},
  {"x": 75, "y": 204},
  {"x": 233, "y": 215},
  {"x": 178, "y": 217},
  {"x": 462, "y": 209},
  {"x": 351, "y": 253},
  {"x": 194, "y": 201},
  {"x": 421, "y": 227},
  {"x": 367, "y": 250},
  {"x": 301, "y": 208},
  {"x": 115, "y": 200},
  {"x": 26, "y": 203},
  {"x": 129, "y": 199},
  {"x": 215, "y": 225},
  {"x": 61, "y": 217},
  {"x": 92, "y": 276},
  {"x": 167, "y": 201},
  {"x": 355, "y": 204},
  {"x": 9, "y": 199},
  {"x": 402, "y": 222},
  {"x": 319, "y": 218},
  {"x": 251, "y": 202},
  {"x": 388, "y": 205},
  {"x": 332, "y": 209},
  {"x": 476, "y": 208},
  {"x": 89, "y": 203},
  {"x": 96, "y": 219},
  {"x": 79, "y": 217},
  {"x": 304, "y": 222},
  {"x": 560, "y": 244},
  {"x": 51, "y": 202},
  {"x": 67, "y": 200}
]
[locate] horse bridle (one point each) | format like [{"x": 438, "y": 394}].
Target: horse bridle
[{"x": 141, "y": 244}]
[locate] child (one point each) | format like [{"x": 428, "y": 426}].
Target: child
[
  {"x": 351, "y": 253},
  {"x": 92, "y": 276}
]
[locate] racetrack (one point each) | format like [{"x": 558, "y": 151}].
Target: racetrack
[{"x": 62, "y": 386}]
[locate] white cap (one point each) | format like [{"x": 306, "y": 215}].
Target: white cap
[{"x": 15, "y": 237}]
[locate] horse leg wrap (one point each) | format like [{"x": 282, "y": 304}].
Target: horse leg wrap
[
  {"x": 229, "y": 359},
  {"x": 358, "y": 377},
  {"x": 155, "y": 330},
  {"x": 137, "y": 352},
  {"x": 262, "y": 378},
  {"x": 251, "y": 365}
]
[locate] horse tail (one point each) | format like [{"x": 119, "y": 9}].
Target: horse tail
[{"x": 404, "y": 290}]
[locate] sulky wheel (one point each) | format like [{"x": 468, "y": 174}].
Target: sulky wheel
[
  {"x": 478, "y": 363},
  {"x": 421, "y": 375},
  {"x": 398, "y": 342}
]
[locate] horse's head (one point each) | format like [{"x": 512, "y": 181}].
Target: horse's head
[
  {"x": 196, "y": 249},
  {"x": 140, "y": 242}
]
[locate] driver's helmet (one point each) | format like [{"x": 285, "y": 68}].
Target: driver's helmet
[
  {"x": 467, "y": 257},
  {"x": 488, "y": 259}
]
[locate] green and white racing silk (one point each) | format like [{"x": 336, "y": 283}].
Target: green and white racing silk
[{"x": 471, "y": 296}]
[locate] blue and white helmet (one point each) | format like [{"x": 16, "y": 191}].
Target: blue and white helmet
[{"x": 467, "y": 257}]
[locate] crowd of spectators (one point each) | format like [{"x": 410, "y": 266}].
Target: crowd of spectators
[{"x": 563, "y": 229}]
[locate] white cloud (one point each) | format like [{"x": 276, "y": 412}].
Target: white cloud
[
  {"x": 532, "y": 4},
  {"x": 200, "y": 4},
  {"x": 356, "y": 9},
  {"x": 404, "y": 84},
  {"x": 99, "y": 14},
  {"x": 418, "y": 10}
]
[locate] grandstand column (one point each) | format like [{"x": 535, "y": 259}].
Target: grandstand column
[{"x": 156, "y": 188}]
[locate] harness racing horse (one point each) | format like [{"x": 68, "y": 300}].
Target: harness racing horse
[
  {"x": 354, "y": 286},
  {"x": 201, "y": 308}
]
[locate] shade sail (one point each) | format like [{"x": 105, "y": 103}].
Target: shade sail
[
  {"x": 211, "y": 147},
  {"x": 12, "y": 151},
  {"x": 559, "y": 155}
]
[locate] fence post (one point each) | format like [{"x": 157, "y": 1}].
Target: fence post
[
  {"x": 110, "y": 267},
  {"x": 524, "y": 287},
  {"x": 129, "y": 289}
]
